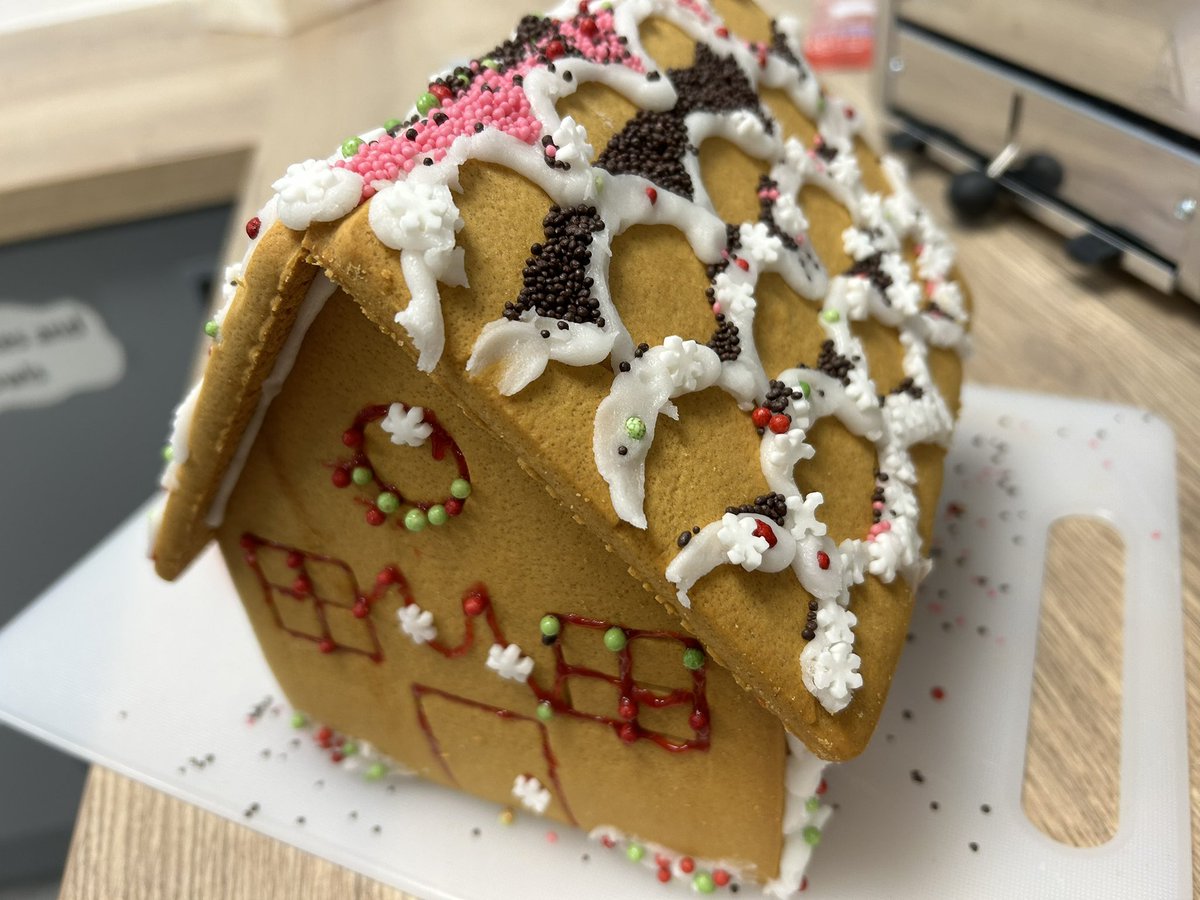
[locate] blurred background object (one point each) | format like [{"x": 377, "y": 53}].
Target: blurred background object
[
  {"x": 76, "y": 467},
  {"x": 275, "y": 17},
  {"x": 1085, "y": 112},
  {"x": 840, "y": 35}
]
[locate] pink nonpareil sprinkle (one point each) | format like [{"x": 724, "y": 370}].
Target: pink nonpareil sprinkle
[{"x": 493, "y": 100}]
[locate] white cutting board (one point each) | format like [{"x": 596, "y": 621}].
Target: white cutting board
[{"x": 157, "y": 681}]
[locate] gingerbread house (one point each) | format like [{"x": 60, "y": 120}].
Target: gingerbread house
[{"x": 575, "y": 440}]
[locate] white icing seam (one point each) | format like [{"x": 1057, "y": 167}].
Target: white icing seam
[
  {"x": 314, "y": 301},
  {"x": 802, "y": 812}
]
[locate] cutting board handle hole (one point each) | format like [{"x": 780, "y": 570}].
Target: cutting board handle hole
[{"x": 1071, "y": 790}]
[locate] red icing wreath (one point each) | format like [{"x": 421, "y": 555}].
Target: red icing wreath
[{"x": 381, "y": 497}]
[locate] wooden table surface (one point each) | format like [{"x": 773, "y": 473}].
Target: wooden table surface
[{"x": 143, "y": 113}]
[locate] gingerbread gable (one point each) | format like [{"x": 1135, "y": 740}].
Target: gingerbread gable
[{"x": 598, "y": 241}]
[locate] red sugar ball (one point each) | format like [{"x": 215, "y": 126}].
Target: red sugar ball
[
  {"x": 687, "y": 865},
  {"x": 743, "y": 264},
  {"x": 474, "y": 603},
  {"x": 440, "y": 91},
  {"x": 295, "y": 560},
  {"x": 664, "y": 875},
  {"x": 780, "y": 423},
  {"x": 587, "y": 27},
  {"x": 301, "y": 586},
  {"x": 360, "y": 610},
  {"x": 386, "y": 577},
  {"x": 720, "y": 877},
  {"x": 628, "y": 732},
  {"x": 804, "y": 883},
  {"x": 252, "y": 227},
  {"x": 340, "y": 477},
  {"x": 324, "y": 735},
  {"x": 760, "y": 417},
  {"x": 822, "y": 787},
  {"x": 352, "y": 437},
  {"x": 822, "y": 559},
  {"x": 325, "y": 645},
  {"x": 453, "y": 506},
  {"x": 555, "y": 49},
  {"x": 375, "y": 516},
  {"x": 722, "y": 32},
  {"x": 937, "y": 693},
  {"x": 652, "y": 194}
]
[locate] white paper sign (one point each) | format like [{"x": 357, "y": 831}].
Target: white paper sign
[{"x": 50, "y": 351}]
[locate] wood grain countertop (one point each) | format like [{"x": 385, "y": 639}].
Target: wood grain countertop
[{"x": 144, "y": 112}]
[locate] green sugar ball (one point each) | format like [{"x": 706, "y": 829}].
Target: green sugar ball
[
  {"x": 349, "y": 748},
  {"x": 615, "y": 640},
  {"x": 210, "y": 328},
  {"x": 550, "y": 625},
  {"x": 805, "y": 388},
  {"x": 545, "y": 711},
  {"x": 415, "y": 520},
  {"x": 392, "y": 123},
  {"x": 299, "y": 720},
  {"x": 426, "y": 102},
  {"x": 831, "y": 315},
  {"x": 168, "y": 453},
  {"x": 437, "y": 515},
  {"x": 635, "y": 852},
  {"x": 703, "y": 883},
  {"x": 375, "y": 771},
  {"x": 812, "y": 835},
  {"x": 812, "y": 804},
  {"x": 693, "y": 659},
  {"x": 387, "y": 502},
  {"x": 362, "y": 475},
  {"x": 350, "y": 146},
  {"x": 635, "y": 428},
  {"x": 460, "y": 488}
]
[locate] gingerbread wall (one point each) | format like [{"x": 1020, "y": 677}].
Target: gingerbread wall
[{"x": 323, "y": 587}]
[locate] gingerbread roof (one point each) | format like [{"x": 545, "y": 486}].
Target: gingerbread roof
[{"x": 644, "y": 249}]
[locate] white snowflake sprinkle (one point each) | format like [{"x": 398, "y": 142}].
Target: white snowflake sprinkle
[
  {"x": 314, "y": 191},
  {"x": 837, "y": 623},
  {"x": 571, "y": 140},
  {"x": 735, "y": 296},
  {"x": 857, "y": 243},
  {"x": 684, "y": 362},
  {"x": 417, "y": 623},
  {"x": 758, "y": 243},
  {"x": 415, "y": 215},
  {"x": 529, "y": 791},
  {"x": 802, "y": 515},
  {"x": 836, "y": 671},
  {"x": 742, "y": 546},
  {"x": 507, "y": 662},
  {"x": 406, "y": 427}
]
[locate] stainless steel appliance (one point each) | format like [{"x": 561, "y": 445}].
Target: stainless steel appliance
[{"x": 1086, "y": 111}]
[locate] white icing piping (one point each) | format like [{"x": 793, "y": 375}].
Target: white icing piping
[
  {"x": 318, "y": 293},
  {"x": 803, "y": 779}
]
